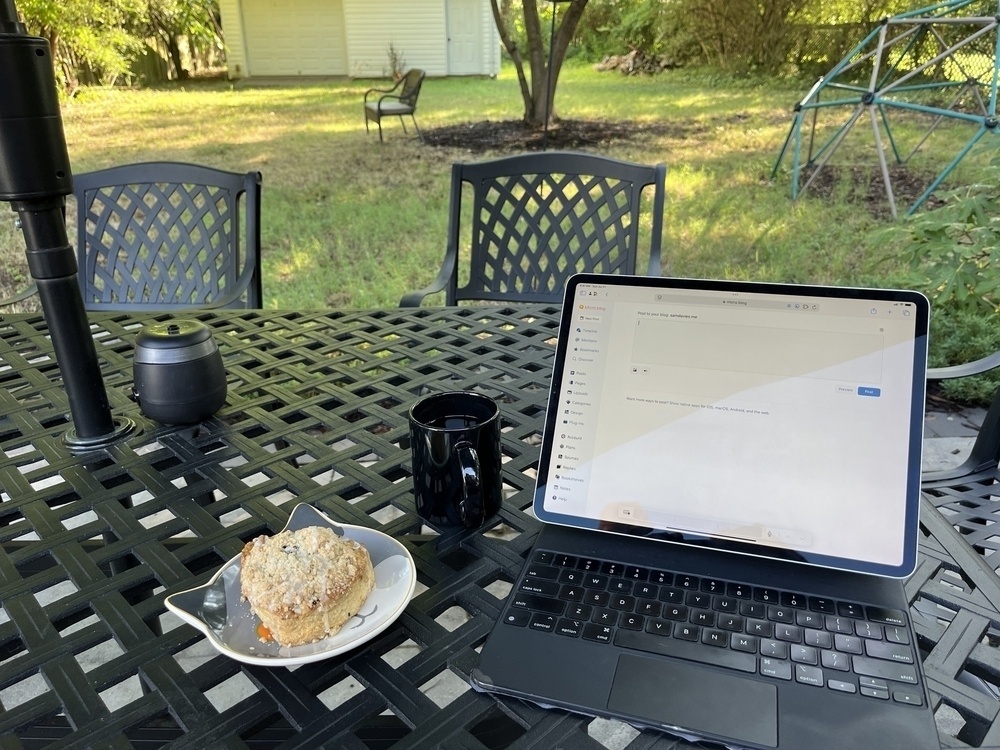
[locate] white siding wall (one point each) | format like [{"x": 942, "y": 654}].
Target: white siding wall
[
  {"x": 232, "y": 26},
  {"x": 416, "y": 29},
  {"x": 346, "y": 37}
]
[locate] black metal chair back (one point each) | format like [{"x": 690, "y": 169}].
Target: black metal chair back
[
  {"x": 164, "y": 235},
  {"x": 539, "y": 218}
]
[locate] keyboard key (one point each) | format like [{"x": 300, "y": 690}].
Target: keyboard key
[
  {"x": 545, "y": 588},
  {"x": 675, "y": 612},
  {"x": 673, "y": 596},
  {"x": 715, "y": 638},
  {"x": 538, "y": 621},
  {"x": 768, "y": 596},
  {"x": 645, "y": 590},
  {"x": 887, "y": 616},
  {"x": 573, "y": 577},
  {"x": 579, "y": 611},
  {"x": 543, "y": 557},
  {"x": 818, "y": 604},
  {"x": 548, "y": 572},
  {"x": 760, "y": 628},
  {"x": 780, "y": 670},
  {"x": 634, "y": 573},
  {"x": 874, "y": 693},
  {"x": 796, "y": 601},
  {"x": 751, "y": 609},
  {"x": 804, "y": 654},
  {"x": 661, "y": 578},
  {"x": 720, "y": 657},
  {"x": 540, "y": 603},
  {"x": 834, "y": 660},
  {"x": 613, "y": 569},
  {"x": 631, "y": 621},
  {"x": 588, "y": 565},
  {"x": 571, "y": 593},
  {"x": 686, "y": 582},
  {"x": 604, "y": 616},
  {"x": 622, "y": 603},
  {"x": 739, "y": 590},
  {"x": 648, "y": 609},
  {"x": 697, "y": 600},
  {"x": 659, "y": 627},
  {"x": 907, "y": 696},
  {"x": 896, "y": 634},
  {"x": 599, "y": 633},
  {"x": 777, "y": 649},
  {"x": 564, "y": 561},
  {"x": 686, "y": 632},
  {"x": 571, "y": 628},
  {"x": 847, "y": 643},
  {"x": 839, "y": 625},
  {"x": 809, "y": 675},
  {"x": 517, "y": 617},
  {"x": 818, "y": 638},
  {"x": 868, "y": 630},
  {"x": 726, "y": 604},
  {"x": 745, "y": 643},
  {"x": 846, "y": 609},
  {"x": 780, "y": 614},
  {"x": 809, "y": 619},
  {"x": 712, "y": 586},
  {"x": 844, "y": 687},
  {"x": 597, "y": 598},
  {"x": 886, "y": 670},
  {"x": 790, "y": 633},
  {"x": 730, "y": 622},
  {"x": 620, "y": 586},
  {"x": 595, "y": 581},
  {"x": 703, "y": 617},
  {"x": 892, "y": 651}
]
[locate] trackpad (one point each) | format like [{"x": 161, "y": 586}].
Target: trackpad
[{"x": 694, "y": 698}]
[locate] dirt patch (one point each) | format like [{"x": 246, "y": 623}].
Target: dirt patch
[
  {"x": 514, "y": 135},
  {"x": 864, "y": 185}
]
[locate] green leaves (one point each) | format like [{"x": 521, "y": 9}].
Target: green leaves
[{"x": 953, "y": 252}]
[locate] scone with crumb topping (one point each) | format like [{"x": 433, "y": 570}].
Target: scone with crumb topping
[{"x": 305, "y": 584}]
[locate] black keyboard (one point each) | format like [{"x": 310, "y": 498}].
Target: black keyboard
[{"x": 836, "y": 645}]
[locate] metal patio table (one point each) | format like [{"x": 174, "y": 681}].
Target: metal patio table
[{"x": 90, "y": 545}]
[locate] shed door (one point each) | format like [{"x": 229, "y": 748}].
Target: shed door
[
  {"x": 294, "y": 37},
  {"x": 464, "y": 18}
]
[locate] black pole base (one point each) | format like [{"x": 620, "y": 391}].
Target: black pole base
[{"x": 122, "y": 426}]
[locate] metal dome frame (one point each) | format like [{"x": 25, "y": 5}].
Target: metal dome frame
[{"x": 893, "y": 84}]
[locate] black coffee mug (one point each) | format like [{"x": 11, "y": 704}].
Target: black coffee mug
[{"x": 455, "y": 446}]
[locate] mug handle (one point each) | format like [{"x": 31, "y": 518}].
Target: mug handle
[{"x": 471, "y": 509}]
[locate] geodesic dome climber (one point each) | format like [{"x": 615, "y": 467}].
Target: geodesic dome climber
[{"x": 927, "y": 81}]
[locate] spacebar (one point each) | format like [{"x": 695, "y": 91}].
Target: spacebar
[{"x": 656, "y": 644}]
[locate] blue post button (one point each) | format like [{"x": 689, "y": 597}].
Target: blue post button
[{"x": 864, "y": 390}]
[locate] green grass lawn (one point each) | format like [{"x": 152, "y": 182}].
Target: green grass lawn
[{"x": 349, "y": 222}]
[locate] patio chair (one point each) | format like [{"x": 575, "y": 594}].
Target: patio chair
[
  {"x": 391, "y": 104},
  {"x": 166, "y": 235},
  {"x": 981, "y": 465},
  {"x": 539, "y": 218}
]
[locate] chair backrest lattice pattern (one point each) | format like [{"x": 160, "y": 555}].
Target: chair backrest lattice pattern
[
  {"x": 412, "y": 82},
  {"x": 167, "y": 235},
  {"x": 534, "y": 231},
  {"x": 538, "y": 219}
]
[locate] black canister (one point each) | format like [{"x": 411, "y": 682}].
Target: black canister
[{"x": 177, "y": 372}]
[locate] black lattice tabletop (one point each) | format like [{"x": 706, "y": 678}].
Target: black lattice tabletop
[{"x": 90, "y": 546}]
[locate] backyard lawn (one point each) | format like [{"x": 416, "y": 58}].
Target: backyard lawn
[{"x": 349, "y": 222}]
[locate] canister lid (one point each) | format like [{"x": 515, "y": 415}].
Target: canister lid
[{"x": 172, "y": 341}]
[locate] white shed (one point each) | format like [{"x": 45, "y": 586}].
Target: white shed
[{"x": 352, "y": 37}]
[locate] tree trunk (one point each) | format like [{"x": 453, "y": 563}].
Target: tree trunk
[{"x": 536, "y": 94}]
